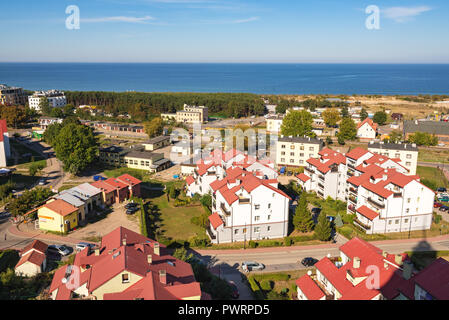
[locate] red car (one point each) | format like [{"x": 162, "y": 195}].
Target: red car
[{"x": 437, "y": 205}]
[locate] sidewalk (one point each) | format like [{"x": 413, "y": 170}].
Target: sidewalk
[{"x": 14, "y": 230}]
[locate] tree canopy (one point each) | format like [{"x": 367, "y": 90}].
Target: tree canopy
[
  {"x": 348, "y": 130},
  {"x": 363, "y": 114},
  {"x": 298, "y": 123},
  {"x": 323, "y": 228},
  {"x": 302, "y": 219},
  {"x": 380, "y": 118},
  {"x": 154, "y": 128},
  {"x": 423, "y": 139},
  {"x": 331, "y": 117}
]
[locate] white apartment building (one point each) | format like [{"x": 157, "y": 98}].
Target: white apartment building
[
  {"x": 5, "y": 149},
  {"x": 378, "y": 190},
  {"x": 56, "y": 99},
  {"x": 246, "y": 201},
  {"x": 274, "y": 123},
  {"x": 349, "y": 278},
  {"x": 367, "y": 130},
  {"x": 189, "y": 114},
  {"x": 294, "y": 151},
  {"x": 407, "y": 153}
]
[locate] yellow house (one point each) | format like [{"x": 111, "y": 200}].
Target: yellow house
[{"x": 58, "y": 215}]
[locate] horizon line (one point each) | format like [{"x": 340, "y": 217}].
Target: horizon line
[{"x": 219, "y": 62}]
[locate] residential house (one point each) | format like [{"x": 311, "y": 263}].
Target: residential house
[
  {"x": 351, "y": 277},
  {"x": 134, "y": 184},
  {"x": 122, "y": 191},
  {"x": 126, "y": 266},
  {"x": 274, "y": 123},
  {"x": 58, "y": 216},
  {"x": 367, "y": 130},
  {"x": 33, "y": 259}
]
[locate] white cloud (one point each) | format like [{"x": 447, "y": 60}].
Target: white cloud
[
  {"x": 246, "y": 20},
  {"x": 403, "y": 14},
  {"x": 119, "y": 19}
]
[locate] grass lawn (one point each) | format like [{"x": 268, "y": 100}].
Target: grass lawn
[
  {"x": 278, "y": 281},
  {"x": 26, "y": 166},
  {"x": 349, "y": 231},
  {"x": 22, "y": 149},
  {"x": 433, "y": 155},
  {"x": 433, "y": 174},
  {"x": 175, "y": 221}
]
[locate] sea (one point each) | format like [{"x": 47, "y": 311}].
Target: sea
[{"x": 334, "y": 79}]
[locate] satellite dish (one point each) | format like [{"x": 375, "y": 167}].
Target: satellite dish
[
  {"x": 64, "y": 280},
  {"x": 309, "y": 273}
]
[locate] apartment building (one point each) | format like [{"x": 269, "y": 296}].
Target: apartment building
[
  {"x": 274, "y": 123},
  {"x": 189, "y": 114},
  {"x": 367, "y": 130},
  {"x": 351, "y": 277},
  {"x": 407, "y": 153},
  {"x": 125, "y": 266},
  {"x": 5, "y": 148},
  {"x": 246, "y": 201},
  {"x": 378, "y": 190},
  {"x": 11, "y": 95},
  {"x": 294, "y": 151},
  {"x": 135, "y": 158},
  {"x": 55, "y": 98},
  {"x": 44, "y": 122}
]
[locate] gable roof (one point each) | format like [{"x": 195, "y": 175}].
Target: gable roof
[
  {"x": 356, "y": 153},
  {"x": 369, "y": 122},
  {"x": 60, "y": 207},
  {"x": 36, "y": 245},
  {"x": 309, "y": 288},
  {"x": 215, "y": 220},
  {"x": 129, "y": 179},
  {"x": 367, "y": 213},
  {"x": 104, "y": 187},
  {"x": 33, "y": 257},
  {"x": 435, "y": 279}
]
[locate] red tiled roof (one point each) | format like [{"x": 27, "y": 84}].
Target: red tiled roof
[
  {"x": 303, "y": 177},
  {"x": 128, "y": 179},
  {"x": 107, "y": 188},
  {"x": 369, "y": 122},
  {"x": 310, "y": 289},
  {"x": 60, "y": 207},
  {"x": 435, "y": 279},
  {"x": 190, "y": 180},
  {"x": 115, "y": 183},
  {"x": 36, "y": 245},
  {"x": 377, "y": 189},
  {"x": 3, "y": 129},
  {"x": 367, "y": 212},
  {"x": 33, "y": 257},
  {"x": 215, "y": 220},
  {"x": 356, "y": 153}
]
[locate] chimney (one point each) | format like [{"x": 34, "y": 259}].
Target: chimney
[
  {"x": 407, "y": 270},
  {"x": 157, "y": 249},
  {"x": 356, "y": 263},
  {"x": 97, "y": 251},
  {"x": 163, "y": 276},
  {"x": 384, "y": 254},
  {"x": 150, "y": 259},
  {"x": 398, "y": 259},
  {"x": 124, "y": 241}
]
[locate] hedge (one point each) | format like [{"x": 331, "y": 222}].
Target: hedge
[{"x": 255, "y": 289}]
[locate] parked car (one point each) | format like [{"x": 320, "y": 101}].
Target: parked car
[
  {"x": 289, "y": 173},
  {"x": 444, "y": 208},
  {"x": 437, "y": 205},
  {"x": 309, "y": 262},
  {"x": 42, "y": 182},
  {"x": 252, "y": 266},
  {"x": 132, "y": 210},
  {"x": 444, "y": 199},
  {"x": 83, "y": 245},
  {"x": 235, "y": 290},
  {"x": 58, "y": 249},
  {"x": 441, "y": 190},
  {"x": 131, "y": 205}
]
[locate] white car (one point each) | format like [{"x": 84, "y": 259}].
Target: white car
[
  {"x": 42, "y": 182},
  {"x": 58, "y": 249},
  {"x": 83, "y": 245}
]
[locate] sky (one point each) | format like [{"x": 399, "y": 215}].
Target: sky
[{"x": 241, "y": 31}]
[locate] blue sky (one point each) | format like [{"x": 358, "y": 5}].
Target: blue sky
[{"x": 278, "y": 31}]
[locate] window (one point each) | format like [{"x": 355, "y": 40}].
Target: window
[
  {"x": 236, "y": 231},
  {"x": 408, "y": 164},
  {"x": 268, "y": 218},
  {"x": 406, "y": 221},
  {"x": 301, "y": 155},
  {"x": 408, "y": 200},
  {"x": 407, "y": 211},
  {"x": 292, "y": 160},
  {"x": 311, "y": 149},
  {"x": 268, "y": 228},
  {"x": 125, "y": 278},
  {"x": 397, "y": 155},
  {"x": 292, "y": 147},
  {"x": 257, "y": 206},
  {"x": 244, "y": 230},
  {"x": 301, "y": 148},
  {"x": 409, "y": 156},
  {"x": 301, "y": 161},
  {"x": 292, "y": 154},
  {"x": 256, "y": 229},
  {"x": 283, "y": 146},
  {"x": 257, "y": 218},
  {"x": 283, "y": 153},
  {"x": 397, "y": 221},
  {"x": 269, "y": 206},
  {"x": 282, "y": 159}
]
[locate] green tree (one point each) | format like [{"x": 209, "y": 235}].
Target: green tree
[
  {"x": 154, "y": 128},
  {"x": 380, "y": 118},
  {"x": 302, "y": 219},
  {"x": 423, "y": 139},
  {"x": 344, "y": 112},
  {"x": 323, "y": 229},
  {"x": 68, "y": 110},
  {"x": 15, "y": 116},
  {"x": 338, "y": 221},
  {"x": 395, "y": 136},
  {"x": 57, "y": 113},
  {"x": 183, "y": 255},
  {"x": 28, "y": 200},
  {"x": 76, "y": 146},
  {"x": 363, "y": 114},
  {"x": 348, "y": 130},
  {"x": 331, "y": 117},
  {"x": 52, "y": 132},
  {"x": 298, "y": 123},
  {"x": 44, "y": 106}
]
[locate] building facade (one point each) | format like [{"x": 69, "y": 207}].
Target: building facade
[
  {"x": 294, "y": 151},
  {"x": 189, "y": 114},
  {"x": 407, "y": 153},
  {"x": 55, "y": 98},
  {"x": 367, "y": 130},
  {"x": 11, "y": 95}
]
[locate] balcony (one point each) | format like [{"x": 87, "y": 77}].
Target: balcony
[
  {"x": 353, "y": 199},
  {"x": 376, "y": 203},
  {"x": 351, "y": 208},
  {"x": 397, "y": 195},
  {"x": 210, "y": 234},
  {"x": 351, "y": 166},
  {"x": 321, "y": 177},
  {"x": 321, "y": 185},
  {"x": 350, "y": 173},
  {"x": 320, "y": 194},
  {"x": 309, "y": 170},
  {"x": 362, "y": 225},
  {"x": 353, "y": 190},
  {"x": 244, "y": 201},
  {"x": 225, "y": 210}
]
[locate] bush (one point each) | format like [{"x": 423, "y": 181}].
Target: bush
[
  {"x": 257, "y": 292},
  {"x": 8, "y": 259},
  {"x": 266, "y": 285},
  {"x": 288, "y": 241},
  {"x": 273, "y": 295},
  {"x": 200, "y": 242},
  {"x": 252, "y": 244},
  {"x": 437, "y": 218}
]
